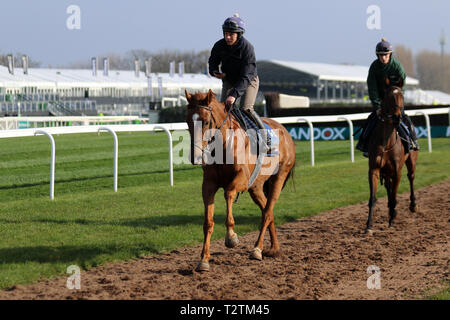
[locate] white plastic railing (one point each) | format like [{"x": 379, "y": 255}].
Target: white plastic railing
[
  {"x": 169, "y": 136},
  {"x": 427, "y": 121},
  {"x": 352, "y": 149},
  {"x": 12, "y": 123},
  {"x": 52, "y": 162},
  {"x": 116, "y": 154},
  {"x": 183, "y": 126},
  {"x": 311, "y": 136}
]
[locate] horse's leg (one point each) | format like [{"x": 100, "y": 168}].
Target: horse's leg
[
  {"x": 231, "y": 239},
  {"x": 389, "y": 184},
  {"x": 260, "y": 199},
  {"x": 393, "y": 196},
  {"x": 208, "y": 191},
  {"x": 374, "y": 175},
  {"x": 411, "y": 166},
  {"x": 267, "y": 220}
]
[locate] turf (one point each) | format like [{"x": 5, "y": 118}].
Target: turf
[{"x": 88, "y": 224}]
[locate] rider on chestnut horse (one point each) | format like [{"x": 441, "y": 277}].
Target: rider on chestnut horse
[
  {"x": 233, "y": 61},
  {"x": 384, "y": 67}
]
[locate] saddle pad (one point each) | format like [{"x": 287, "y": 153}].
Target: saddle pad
[{"x": 248, "y": 123}]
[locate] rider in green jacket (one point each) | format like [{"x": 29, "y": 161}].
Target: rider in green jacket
[{"x": 385, "y": 66}]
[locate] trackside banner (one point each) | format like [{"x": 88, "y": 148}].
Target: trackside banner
[{"x": 342, "y": 133}]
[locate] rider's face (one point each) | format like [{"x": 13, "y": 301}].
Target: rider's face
[
  {"x": 384, "y": 58},
  {"x": 230, "y": 38}
]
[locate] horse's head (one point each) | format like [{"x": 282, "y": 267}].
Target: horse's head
[
  {"x": 392, "y": 106},
  {"x": 200, "y": 119}
]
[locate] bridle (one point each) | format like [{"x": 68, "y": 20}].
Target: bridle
[
  {"x": 206, "y": 150},
  {"x": 386, "y": 117}
]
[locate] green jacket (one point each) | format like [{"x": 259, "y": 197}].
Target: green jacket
[{"x": 377, "y": 74}]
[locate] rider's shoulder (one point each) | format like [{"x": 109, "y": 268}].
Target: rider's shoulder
[{"x": 375, "y": 65}]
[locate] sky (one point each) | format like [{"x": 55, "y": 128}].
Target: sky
[{"x": 327, "y": 31}]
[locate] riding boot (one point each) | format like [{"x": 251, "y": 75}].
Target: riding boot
[
  {"x": 362, "y": 142},
  {"x": 412, "y": 131},
  {"x": 265, "y": 143}
]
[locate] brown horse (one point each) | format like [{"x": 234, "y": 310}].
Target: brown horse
[
  {"x": 233, "y": 174},
  {"x": 387, "y": 154}
]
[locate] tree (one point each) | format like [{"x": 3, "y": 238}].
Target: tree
[
  {"x": 194, "y": 62},
  {"x": 18, "y": 60},
  {"x": 433, "y": 71},
  {"x": 405, "y": 56}
]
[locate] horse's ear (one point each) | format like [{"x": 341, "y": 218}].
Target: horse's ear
[
  {"x": 188, "y": 95},
  {"x": 211, "y": 96}
]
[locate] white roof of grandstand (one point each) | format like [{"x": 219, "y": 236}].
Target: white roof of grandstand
[
  {"x": 334, "y": 72},
  {"x": 45, "y": 77}
]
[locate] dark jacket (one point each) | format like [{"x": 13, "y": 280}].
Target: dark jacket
[
  {"x": 238, "y": 63},
  {"x": 377, "y": 74}
]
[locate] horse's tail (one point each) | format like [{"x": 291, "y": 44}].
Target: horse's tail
[{"x": 290, "y": 175}]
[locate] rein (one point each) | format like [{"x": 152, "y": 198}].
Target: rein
[
  {"x": 384, "y": 118},
  {"x": 209, "y": 108},
  {"x": 396, "y": 139}
]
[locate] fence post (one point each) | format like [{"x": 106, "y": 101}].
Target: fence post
[
  {"x": 169, "y": 135},
  {"x": 52, "y": 162},
  {"x": 311, "y": 137},
  {"x": 116, "y": 154},
  {"x": 427, "y": 121},
  {"x": 350, "y": 125}
]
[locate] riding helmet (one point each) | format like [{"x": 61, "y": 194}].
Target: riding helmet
[
  {"x": 234, "y": 24},
  {"x": 383, "y": 47}
]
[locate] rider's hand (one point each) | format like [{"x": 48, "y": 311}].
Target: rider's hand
[
  {"x": 219, "y": 75},
  {"x": 230, "y": 100}
]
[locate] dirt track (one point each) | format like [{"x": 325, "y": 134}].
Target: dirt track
[{"x": 324, "y": 257}]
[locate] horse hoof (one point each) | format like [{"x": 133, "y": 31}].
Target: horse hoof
[
  {"x": 202, "y": 266},
  {"x": 413, "y": 208},
  {"x": 272, "y": 253},
  {"x": 369, "y": 232},
  {"x": 232, "y": 242},
  {"x": 257, "y": 254}
]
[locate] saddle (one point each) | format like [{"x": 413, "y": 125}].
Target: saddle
[{"x": 248, "y": 123}]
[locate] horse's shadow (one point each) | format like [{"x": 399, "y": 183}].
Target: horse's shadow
[{"x": 85, "y": 255}]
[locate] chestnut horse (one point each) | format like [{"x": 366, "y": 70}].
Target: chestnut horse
[
  {"x": 233, "y": 176},
  {"x": 387, "y": 155}
]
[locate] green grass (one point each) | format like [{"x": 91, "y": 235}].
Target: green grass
[
  {"x": 88, "y": 224},
  {"x": 443, "y": 295}
]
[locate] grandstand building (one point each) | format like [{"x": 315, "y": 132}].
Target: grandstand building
[
  {"x": 320, "y": 82},
  {"x": 44, "y": 91}
]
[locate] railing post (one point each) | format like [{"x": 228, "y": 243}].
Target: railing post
[
  {"x": 350, "y": 125},
  {"x": 116, "y": 154},
  {"x": 311, "y": 137},
  {"x": 52, "y": 162},
  {"x": 169, "y": 135},
  {"x": 427, "y": 121}
]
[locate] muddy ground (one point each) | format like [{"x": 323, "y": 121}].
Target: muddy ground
[{"x": 323, "y": 257}]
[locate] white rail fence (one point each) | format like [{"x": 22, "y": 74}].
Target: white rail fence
[
  {"x": 12, "y": 123},
  {"x": 50, "y": 131}
]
